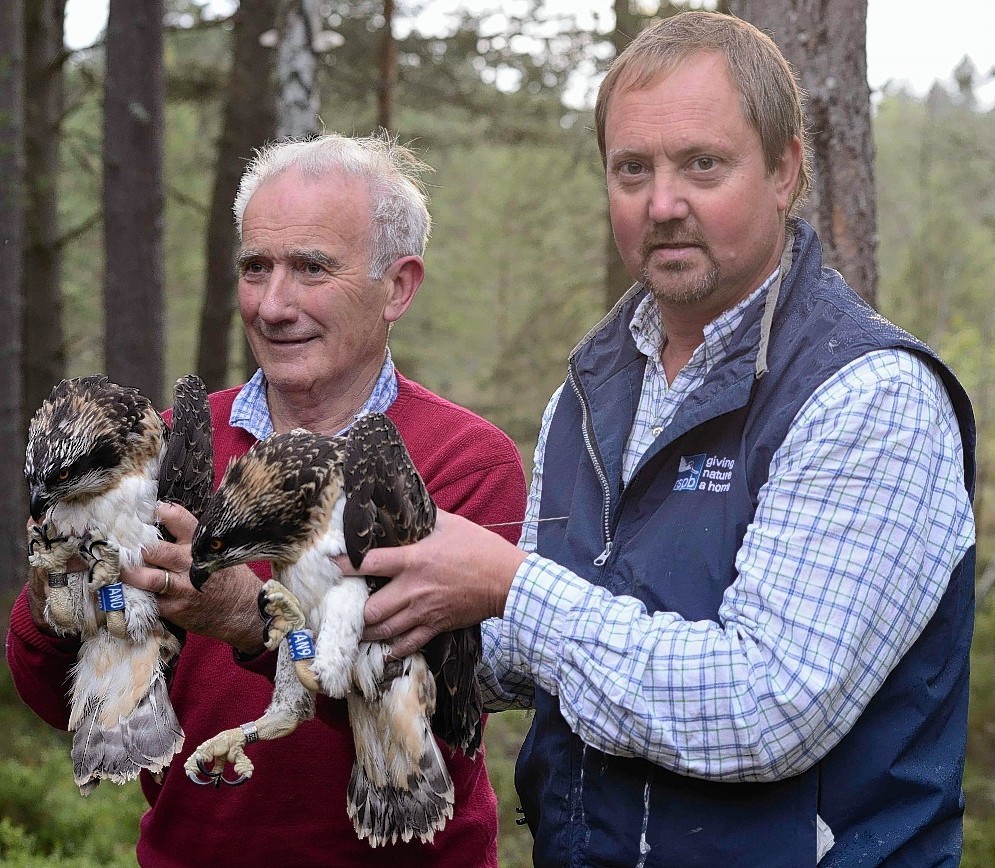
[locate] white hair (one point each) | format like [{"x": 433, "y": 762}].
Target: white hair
[{"x": 401, "y": 222}]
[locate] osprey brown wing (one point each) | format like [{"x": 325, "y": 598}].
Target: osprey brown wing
[
  {"x": 187, "y": 473},
  {"x": 387, "y": 503}
]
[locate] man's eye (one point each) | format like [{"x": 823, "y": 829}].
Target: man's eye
[
  {"x": 630, "y": 167},
  {"x": 703, "y": 164}
]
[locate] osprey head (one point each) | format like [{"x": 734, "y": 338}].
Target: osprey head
[
  {"x": 269, "y": 505},
  {"x": 87, "y": 435}
]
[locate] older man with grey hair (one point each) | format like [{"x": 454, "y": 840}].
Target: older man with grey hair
[{"x": 332, "y": 234}]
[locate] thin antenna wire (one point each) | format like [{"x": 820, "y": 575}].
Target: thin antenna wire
[{"x": 509, "y": 523}]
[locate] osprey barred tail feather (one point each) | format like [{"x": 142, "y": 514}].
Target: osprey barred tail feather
[
  {"x": 98, "y": 458},
  {"x": 400, "y": 787},
  {"x": 299, "y": 500}
]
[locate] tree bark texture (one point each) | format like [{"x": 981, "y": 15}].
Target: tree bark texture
[
  {"x": 248, "y": 121},
  {"x": 45, "y": 359},
  {"x": 134, "y": 92},
  {"x": 388, "y": 70},
  {"x": 826, "y": 43},
  {"x": 13, "y": 494},
  {"x": 297, "y": 70}
]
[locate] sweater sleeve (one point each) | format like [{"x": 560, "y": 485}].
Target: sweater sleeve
[{"x": 40, "y": 665}]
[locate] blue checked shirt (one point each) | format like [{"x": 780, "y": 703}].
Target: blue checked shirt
[
  {"x": 863, "y": 518},
  {"x": 250, "y": 412}
]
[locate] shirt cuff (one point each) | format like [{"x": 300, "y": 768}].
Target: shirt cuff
[{"x": 536, "y": 617}]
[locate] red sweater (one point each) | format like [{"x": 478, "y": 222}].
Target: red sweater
[{"x": 292, "y": 811}]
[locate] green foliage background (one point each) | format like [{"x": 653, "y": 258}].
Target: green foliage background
[{"x": 514, "y": 278}]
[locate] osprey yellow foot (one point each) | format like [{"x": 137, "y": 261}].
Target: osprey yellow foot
[
  {"x": 51, "y": 554},
  {"x": 284, "y": 617},
  {"x": 206, "y": 765},
  {"x": 281, "y": 611},
  {"x": 104, "y": 559},
  {"x": 47, "y": 552}
]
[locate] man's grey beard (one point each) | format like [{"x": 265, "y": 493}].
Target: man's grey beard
[{"x": 697, "y": 291}]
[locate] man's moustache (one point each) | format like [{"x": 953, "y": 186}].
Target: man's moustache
[
  {"x": 661, "y": 237},
  {"x": 651, "y": 244}
]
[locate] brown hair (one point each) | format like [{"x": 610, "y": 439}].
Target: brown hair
[{"x": 771, "y": 98}]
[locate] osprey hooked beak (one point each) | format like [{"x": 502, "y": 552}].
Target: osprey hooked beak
[
  {"x": 198, "y": 575},
  {"x": 39, "y": 502}
]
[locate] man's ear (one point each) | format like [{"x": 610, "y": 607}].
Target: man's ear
[
  {"x": 402, "y": 281},
  {"x": 786, "y": 173}
]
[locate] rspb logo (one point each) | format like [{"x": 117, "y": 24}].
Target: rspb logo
[
  {"x": 705, "y": 473},
  {"x": 689, "y": 472}
]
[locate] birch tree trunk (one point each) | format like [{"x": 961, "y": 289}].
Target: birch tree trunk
[
  {"x": 297, "y": 70},
  {"x": 297, "y": 100},
  {"x": 826, "y": 43},
  {"x": 133, "y": 196}
]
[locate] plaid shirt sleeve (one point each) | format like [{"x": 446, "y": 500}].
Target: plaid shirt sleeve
[
  {"x": 504, "y": 686},
  {"x": 863, "y": 518}
]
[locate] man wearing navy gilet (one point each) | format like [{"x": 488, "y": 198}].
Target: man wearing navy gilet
[{"x": 742, "y": 604}]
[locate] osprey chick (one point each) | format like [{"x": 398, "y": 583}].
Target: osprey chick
[
  {"x": 98, "y": 458},
  {"x": 299, "y": 500}
]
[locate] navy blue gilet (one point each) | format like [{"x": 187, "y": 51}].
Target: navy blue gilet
[{"x": 891, "y": 789}]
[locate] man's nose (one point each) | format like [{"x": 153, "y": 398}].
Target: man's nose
[
  {"x": 279, "y": 301},
  {"x": 668, "y": 198}
]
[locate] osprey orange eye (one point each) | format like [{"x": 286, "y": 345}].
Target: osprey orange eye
[{"x": 216, "y": 544}]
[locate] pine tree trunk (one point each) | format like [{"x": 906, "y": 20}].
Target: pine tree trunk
[
  {"x": 44, "y": 365},
  {"x": 13, "y": 497},
  {"x": 133, "y": 196},
  {"x": 249, "y": 120},
  {"x": 826, "y": 43}
]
